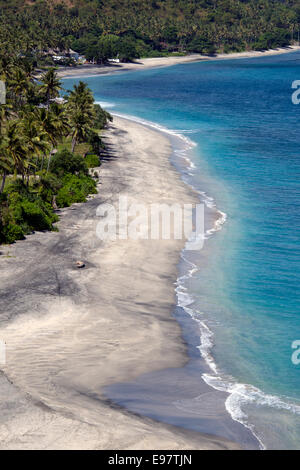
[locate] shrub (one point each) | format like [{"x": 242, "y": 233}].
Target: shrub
[
  {"x": 48, "y": 186},
  {"x": 75, "y": 189},
  {"x": 92, "y": 161},
  {"x": 95, "y": 142},
  {"x": 102, "y": 117},
  {"x": 36, "y": 216},
  {"x": 66, "y": 162},
  {"x": 23, "y": 212},
  {"x": 69, "y": 194},
  {"x": 11, "y": 233},
  {"x": 271, "y": 39},
  {"x": 201, "y": 45},
  {"x": 24, "y": 209},
  {"x": 16, "y": 186}
]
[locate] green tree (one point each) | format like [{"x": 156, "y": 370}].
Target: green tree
[
  {"x": 36, "y": 139},
  {"x": 54, "y": 123},
  {"x": 15, "y": 147},
  {"x": 50, "y": 86},
  {"x": 18, "y": 85},
  {"x": 80, "y": 106},
  {"x": 5, "y": 164}
]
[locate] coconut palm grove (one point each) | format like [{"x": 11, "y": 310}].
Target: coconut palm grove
[
  {"x": 50, "y": 138},
  {"x": 47, "y": 144},
  {"x": 146, "y": 28}
]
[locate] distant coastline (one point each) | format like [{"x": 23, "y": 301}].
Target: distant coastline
[{"x": 144, "y": 64}]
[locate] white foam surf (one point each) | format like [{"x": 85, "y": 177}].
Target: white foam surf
[
  {"x": 239, "y": 394},
  {"x": 181, "y": 153},
  {"x": 105, "y": 104}
]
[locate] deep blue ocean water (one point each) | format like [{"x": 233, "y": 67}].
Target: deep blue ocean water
[{"x": 240, "y": 115}]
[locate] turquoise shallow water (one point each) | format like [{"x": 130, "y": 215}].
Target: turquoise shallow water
[{"x": 240, "y": 115}]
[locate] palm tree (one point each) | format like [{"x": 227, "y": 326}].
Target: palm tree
[
  {"x": 36, "y": 139},
  {"x": 16, "y": 147},
  {"x": 6, "y": 66},
  {"x": 60, "y": 119},
  {"x": 28, "y": 68},
  {"x": 54, "y": 123},
  {"x": 81, "y": 111},
  {"x": 80, "y": 123},
  {"x": 5, "y": 114},
  {"x": 18, "y": 86},
  {"x": 60, "y": 126},
  {"x": 81, "y": 96},
  {"x": 5, "y": 165},
  {"x": 51, "y": 85}
]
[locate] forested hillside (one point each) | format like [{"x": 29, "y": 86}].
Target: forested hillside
[{"x": 134, "y": 28}]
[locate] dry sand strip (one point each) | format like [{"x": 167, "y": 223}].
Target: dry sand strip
[
  {"x": 70, "y": 331},
  {"x": 143, "y": 64}
]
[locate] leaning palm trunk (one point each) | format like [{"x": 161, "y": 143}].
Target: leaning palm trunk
[
  {"x": 49, "y": 159},
  {"x": 36, "y": 164},
  {"x": 42, "y": 164},
  {"x": 3, "y": 182},
  {"x": 73, "y": 144},
  {"x": 48, "y": 100}
]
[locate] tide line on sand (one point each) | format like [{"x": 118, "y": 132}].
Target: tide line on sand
[{"x": 77, "y": 331}]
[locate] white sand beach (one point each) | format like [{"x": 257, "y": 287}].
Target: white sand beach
[
  {"x": 143, "y": 64},
  {"x": 70, "y": 332}
]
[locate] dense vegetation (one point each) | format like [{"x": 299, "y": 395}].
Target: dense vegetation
[
  {"x": 47, "y": 146},
  {"x": 133, "y": 28}
]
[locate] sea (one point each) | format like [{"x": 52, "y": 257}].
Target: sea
[{"x": 235, "y": 131}]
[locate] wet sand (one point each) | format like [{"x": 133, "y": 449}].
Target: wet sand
[
  {"x": 143, "y": 64},
  {"x": 70, "y": 333}
]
